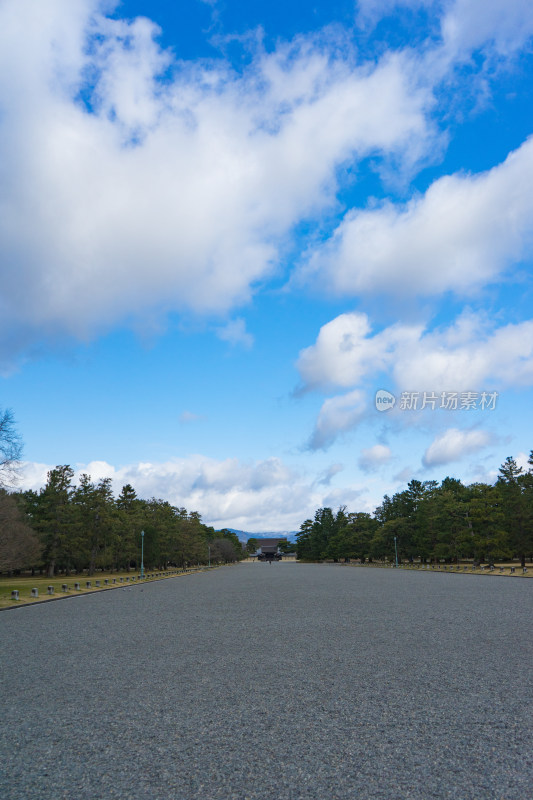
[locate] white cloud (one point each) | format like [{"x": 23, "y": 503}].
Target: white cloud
[
  {"x": 326, "y": 478},
  {"x": 369, "y": 12},
  {"x": 343, "y": 354},
  {"x": 454, "y": 444},
  {"x": 256, "y": 496},
  {"x": 347, "y": 497},
  {"x": 404, "y": 475},
  {"x": 337, "y": 415},
  {"x": 235, "y": 333},
  {"x": 522, "y": 459},
  {"x": 171, "y": 194},
  {"x": 462, "y": 234},
  {"x": 504, "y": 25},
  {"x": 374, "y": 457},
  {"x": 471, "y": 354},
  {"x": 465, "y": 25},
  {"x": 481, "y": 474}
]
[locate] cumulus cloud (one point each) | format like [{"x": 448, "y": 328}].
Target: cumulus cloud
[
  {"x": 344, "y": 353},
  {"x": 137, "y": 184},
  {"x": 470, "y": 354},
  {"x": 502, "y": 25},
  {"x": 454, "y": 444},
  {"x": 472, "y": 357},
  {"x": 255, "y": 496},
  {"x": 462, "y": 234},
  {"x": 464, "y": 26},
  {"x": 374, "y": 457},
  {"x": 337, "y": 415}
]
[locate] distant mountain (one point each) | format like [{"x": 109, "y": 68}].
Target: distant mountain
[{"x": 245, "y": 535}]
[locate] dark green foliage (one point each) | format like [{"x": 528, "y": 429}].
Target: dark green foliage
[
  {"x": 516, "y": 493},
  {"x": 54, "y": 519},
  {"x": 85, "y": 528},
  {"x": 432, "y": 523},
  {"x": 320, "y": 539},
  {"x": 284, "y": 546}
]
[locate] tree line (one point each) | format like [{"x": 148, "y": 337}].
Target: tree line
[
  {"x": 71, "y": 528},
  {"x": 432, "y": 522}
]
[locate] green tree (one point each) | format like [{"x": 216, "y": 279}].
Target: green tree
[
  {"x": 126, "y": 541},
  {"x": 95, "y": 517},
  {"x": 318, "y": 539},
  {"x": 442, "y": 529},
  {"x": 285, "y": 546},
  {"x": 353, "y": 538},
  {"x": 53, "y": 520},
  {"x": 486, "y": 520},
  {"x": 453, "y": 540},
  {"x": 512, "y": 486},
  {"x": 526, "y": 546},
  {"x": 401, "y": 519},
  {"x": 322, "y": 532},
  {"x": 303, "y": 540}
]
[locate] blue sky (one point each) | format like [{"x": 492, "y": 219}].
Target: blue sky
[{"x": 226, "y": 226}]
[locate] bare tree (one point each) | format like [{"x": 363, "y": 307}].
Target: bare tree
[
  {"x": 223, "y": 550},
  {"x": 10, "y": 449},
  {"x": 19, "y": 546}
]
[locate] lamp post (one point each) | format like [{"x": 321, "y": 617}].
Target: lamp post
[
  {"x": 142, "y": 555},
  {"x": 396, "y": 550},
  {"x": 209, "y": 551}
]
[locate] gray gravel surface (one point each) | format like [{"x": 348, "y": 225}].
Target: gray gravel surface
[{"x": 280, "y": 682}]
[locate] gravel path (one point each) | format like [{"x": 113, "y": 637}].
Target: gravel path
[{"x": 281, "y": 682}]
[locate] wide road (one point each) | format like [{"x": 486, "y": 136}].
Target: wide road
[{"x": 272, "y": 682}]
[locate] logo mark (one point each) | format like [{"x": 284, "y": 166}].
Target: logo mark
[{"x": 384, "y": 400}]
